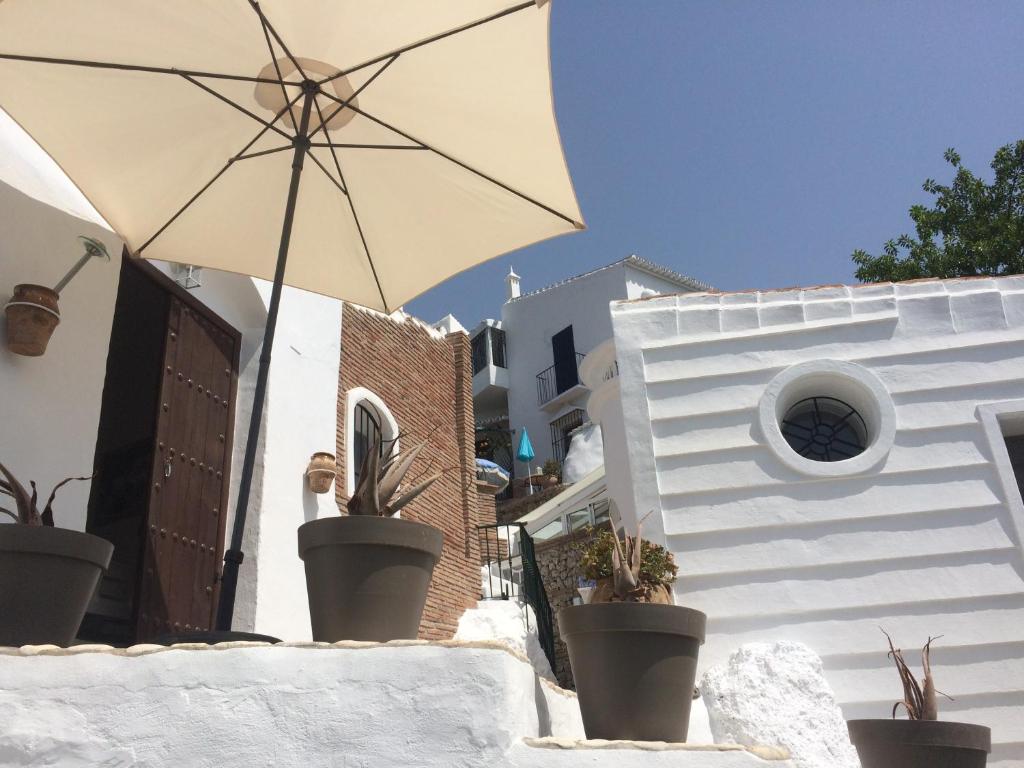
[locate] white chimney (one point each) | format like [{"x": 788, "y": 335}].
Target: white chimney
[{"x": 511, "y": 285}]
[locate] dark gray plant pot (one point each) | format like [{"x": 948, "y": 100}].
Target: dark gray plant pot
[
  {"x": 367, "y": 577},
  {"x": 634, "y": 666},
  {"x": 920, "y": 743},
  {"x": 47, "y": 577}
]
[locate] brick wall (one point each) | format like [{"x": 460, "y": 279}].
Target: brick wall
[{"x": 426, "y": 383}]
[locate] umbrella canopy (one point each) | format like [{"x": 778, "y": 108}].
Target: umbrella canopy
[
  {"x": 441, "y": 148},
  {"x": 525, "y": 451},
  {"x": 187, "y": 125}
]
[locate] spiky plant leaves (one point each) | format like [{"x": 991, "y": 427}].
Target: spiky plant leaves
[
  {"x": 412, "y": 493},
  {"x": 395, "y": 472},
  {"x": 626, "y": 569},
  {"x": 47, "y": 516},
  {"x": 27, "y": 513},
  {"x": 920, "y": 703}
]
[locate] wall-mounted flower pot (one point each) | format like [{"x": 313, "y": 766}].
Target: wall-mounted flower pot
[
  {"x": 322, "y": 470},
  {"x": 47, "y": 577},
  {"x": 920, "y": 743},
  {"x": 32, "y": 315},
  {"x": 367, "y": 577},
  {"x": 634, "y": 665}
]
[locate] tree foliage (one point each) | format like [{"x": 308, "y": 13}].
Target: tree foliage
[{"x": 973, "y": 228}]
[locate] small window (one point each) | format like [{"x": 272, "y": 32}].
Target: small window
[
  {"x": 549, "y": 531},
  {"x": 1015, "y": 447},
  {"x": 368, "y": 421},
  {"x": 579, "y": 519},
  {"x": 825, "y": 429},
  {"x": 479, "y": 348},
  {"x": 365, "y": 432},
  {"x": 497, "y": 347},
  {"x": 602, "y": 511},
  {"x": 561, "y": 432}
]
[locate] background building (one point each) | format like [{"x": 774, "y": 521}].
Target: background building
[{"x": 526, "y": 365}]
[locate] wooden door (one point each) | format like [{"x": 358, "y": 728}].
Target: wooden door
[{"x": 191, "y": 463}]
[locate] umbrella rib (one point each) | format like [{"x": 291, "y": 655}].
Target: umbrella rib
[
  {"x": 360, "y": 89},
  {"x": 432, "y": 39},
  {"x": 359, "y": 227},
  {"x": 327, "y": 173},
  {"x": 228, "y": 164},
  {"x": 273, "y": 58},
  {"x": 461, "y": 164},
  {"x": 334, "y": 154},
  {"x": 237, "y": 106},
  {"x": 367, "y": 146},
  {"x": 268, "y": 26},
  {"x": 140, "y": 68},
  {"x": 264, "y": 152}
]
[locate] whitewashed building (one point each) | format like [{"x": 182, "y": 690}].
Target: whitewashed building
[
  {"x": 829, "y": 461},
  {"x": 526, "y": 365},
  {"x": 57, "y": 421}
]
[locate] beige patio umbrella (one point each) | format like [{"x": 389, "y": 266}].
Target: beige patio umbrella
[{"x": 426, "y": 130}]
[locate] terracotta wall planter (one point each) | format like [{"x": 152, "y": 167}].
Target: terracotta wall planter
[
  {"x": 367, "y": 577},
  {"x": 634, "y": 666},
  {"x": 32, "y": 315},
  {"x": 47, "y": 577},
  {"x": 920, "y": 743},
  {"x": 322, "y": 470}
]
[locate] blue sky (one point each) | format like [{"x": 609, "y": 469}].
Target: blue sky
[{"x": 757, "y": 144}]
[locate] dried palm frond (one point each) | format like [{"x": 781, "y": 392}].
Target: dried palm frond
[
  {"x": 25, "y": 503},
  {"x": 919, "y": 701}
]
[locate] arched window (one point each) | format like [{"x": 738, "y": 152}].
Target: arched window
[
  {"x": 367, "y": 419},
  {"x": 365, "y": 432}
]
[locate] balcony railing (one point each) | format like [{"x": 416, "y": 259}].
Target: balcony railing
[{"x": 553, "y": 381}]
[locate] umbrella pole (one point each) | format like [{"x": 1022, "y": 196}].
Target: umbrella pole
[{"x": 233, "y": 556}]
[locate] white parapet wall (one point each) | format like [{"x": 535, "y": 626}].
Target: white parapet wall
[
  {"x": 921, "y": 534},
  {"x": 308, "y": 705}
]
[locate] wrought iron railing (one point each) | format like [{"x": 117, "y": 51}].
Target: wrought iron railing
[
  {"x": 518, "y": 577},
  {"x": 549, "y": 386}
]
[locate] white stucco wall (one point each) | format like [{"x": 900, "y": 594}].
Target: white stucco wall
[
  {"x": 50, "y": 406},
  {"x": 350, "y": 705},
  {"x": 925, "y": 541}
]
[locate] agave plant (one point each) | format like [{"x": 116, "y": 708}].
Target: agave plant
[
  {"x": 920, "y": 701},
  {"x": 25, "y": 503},
  {"x": 380, "y": 476}
]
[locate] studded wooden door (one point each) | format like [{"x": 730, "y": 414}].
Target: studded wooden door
[{"x": 185, "y": 526}]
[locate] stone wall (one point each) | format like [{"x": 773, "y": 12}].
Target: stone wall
[
  {"x": 424, "y": 379},
  {"x": 557, "y": 560}
]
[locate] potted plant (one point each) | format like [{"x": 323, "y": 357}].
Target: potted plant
[
  {"x": 633, "y": 653},
  {"x": 922, "y": 740},
  {"x": 47, "y": 574},
  {"x": 367, "y": 573}
]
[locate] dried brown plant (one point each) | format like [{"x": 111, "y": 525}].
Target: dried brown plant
[
  {"x": 920, "y": 701},
  {"x": 26, "y": 503}
]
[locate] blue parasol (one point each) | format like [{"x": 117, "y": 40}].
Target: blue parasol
[{"x": 525, "y": 452}]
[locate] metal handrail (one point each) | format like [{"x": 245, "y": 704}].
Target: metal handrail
[
  {"x": 547, "y": 383},
  {"x": 529, "y": 588}
]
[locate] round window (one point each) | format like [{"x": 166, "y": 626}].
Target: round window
[
  {"x": 825, "y": 429},
  {"x": 828, "y": 418}
]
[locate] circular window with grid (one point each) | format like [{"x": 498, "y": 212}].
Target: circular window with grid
[
  {"x": 825, "y": 429},
  {"x": 828, "y": 418}
]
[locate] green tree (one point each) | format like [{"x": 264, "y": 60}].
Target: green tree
[{"x": 974, "y": 228}]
